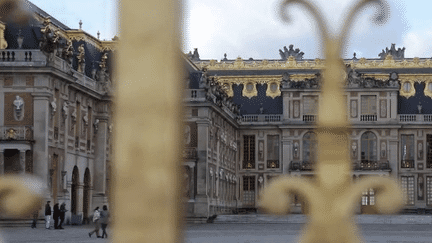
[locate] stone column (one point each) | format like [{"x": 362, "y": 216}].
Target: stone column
[
  {"x": 1, "y": 162},
  {"x": 201, "y": 204},
  {"x": 40, "y": 135},
  {"x": 22, "y": 161},
  {"x": 100, "y": 165}
]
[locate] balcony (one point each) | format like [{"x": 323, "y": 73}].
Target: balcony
[
  {"x": 415, "y": 119},
  {"x": 20, "y": 57},
  {"x": 309, "y": 118},
  {"x": 10, "y": 133},
  {"x": 260, "y": 118},
  {"x": 194, "y": 95},
  {"x": 272, "y": 164},
  {"x": 301, "y": 165},
  {"x": 368, "y": 118},
  {"x": 367, "y": 165},
  {"x": 190, "y": 153},
  {"x": 406, "y": 164}
]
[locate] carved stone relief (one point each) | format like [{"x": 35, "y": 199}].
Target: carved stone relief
[
  {"x": 296, "y": 109},
  {"x": 383, "y": 149},
  {"x": 18, "y": 108},
  {"x": 296, "y": 149},
  {"x": 353, "y": 108},
  {"x": 383, "y": 108},
  {"x": 354, "y": 149},
  {"x": 420, "y": 187},
  {"x": 53, "y": 107},
  {"x": 420, "y": 150},
  {"x": 261, "y": 150}
]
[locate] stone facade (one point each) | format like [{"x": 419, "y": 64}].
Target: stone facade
[
  {"x": 388, "y": 103},
  {"x": 55, "y": 122}
]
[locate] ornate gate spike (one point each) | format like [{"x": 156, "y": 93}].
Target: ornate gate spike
[{"x": 332, "y": 196}]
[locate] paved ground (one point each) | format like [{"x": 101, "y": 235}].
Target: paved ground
[
  {"x": 283, "y": 232},
  {"x": 75, "y": 234},
  {"x": 228, "y": 233}
]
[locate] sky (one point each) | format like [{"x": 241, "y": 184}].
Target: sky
[{"x": 253, "y": 28}]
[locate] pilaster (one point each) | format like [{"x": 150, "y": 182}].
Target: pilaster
[
  {"x": 2, "y": 102},
  {"x": 286, "y": 155},
  {"x": 394, "y": 158},
  {"x": 22, "y": 161},
  {"x": 99, "y": 167},
  {"x": 1, "y": 162},
  {"x": 393, "y": 105},
  {"x": 40, "y": 135},
  {"x": 79, "y": 202},
  {"x": 201, "y": 204}
]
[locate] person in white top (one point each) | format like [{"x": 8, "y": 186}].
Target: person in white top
[{"x": 96, "y": 217}]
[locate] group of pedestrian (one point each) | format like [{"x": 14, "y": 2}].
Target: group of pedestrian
[
  {"x": 58, "y": 214},
  {"x": 100, "y": 219}
]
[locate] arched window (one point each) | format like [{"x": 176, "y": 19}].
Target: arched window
[
  {"x": 368, "y": 147},
  {"x": 309, "y": 147}
]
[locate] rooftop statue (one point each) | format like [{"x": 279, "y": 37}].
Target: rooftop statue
[
  {"x": 81, "y": 58},
  {"x": 396, "y": 54},
  {"x": 50, "y": 40},
  {"x": 291, "y": 52}
]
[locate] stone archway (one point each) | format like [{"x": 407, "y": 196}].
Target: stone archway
[
  {"x": 86, "y": 195},
  {"x": 74, "y": 191}
]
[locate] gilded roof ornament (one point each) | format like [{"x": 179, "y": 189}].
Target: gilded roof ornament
[{"x": 332, "y": 196}]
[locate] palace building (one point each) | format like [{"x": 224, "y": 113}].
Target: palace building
[
  {"x": 249, "y": 121},
  {"x": 55, "y": 115}
]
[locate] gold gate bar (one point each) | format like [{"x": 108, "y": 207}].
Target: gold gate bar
[{"x": 146, "y": 197}]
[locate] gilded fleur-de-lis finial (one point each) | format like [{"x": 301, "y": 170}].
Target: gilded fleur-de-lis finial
[{"x": 331, "y": 197}]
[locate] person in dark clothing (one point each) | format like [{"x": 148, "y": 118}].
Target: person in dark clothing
[
  {"x": 56, "y": 215},
  {"x": 47, "y": 215},
  {"x": 62, "y": 214},
  {"x": 104, "y": 216},
  {"x": 35, "y": 217}
]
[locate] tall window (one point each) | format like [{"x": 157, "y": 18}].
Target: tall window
[
  {"x": 272, "y": 151},
  {"x": 368, "y": 147},
  {"x": 249, "y": 191},
  {"x": 408, "y": 189},
  {"x": 310, "y": 105},
  {"x": 248, "y": 151},
  {"x": 368, "y": 105},
  {"x": 429, "y": 150},
  {"x": 368, "y": 197},
  {"x": 309, "y": 147},
  {"x": 407, "y": 151},
  {"x": 429, "y": 190}
]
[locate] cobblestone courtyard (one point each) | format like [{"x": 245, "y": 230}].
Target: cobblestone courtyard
[
  {"x": 227, "y": 233},
  {"x": 278, "y": 233}
]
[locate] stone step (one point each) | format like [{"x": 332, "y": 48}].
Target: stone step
[{"x": 301, "y": 219}]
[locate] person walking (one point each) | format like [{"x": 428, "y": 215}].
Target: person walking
[
  {"x": 48, "y": 215},
  {"x": 104, "y": 216},
  {"x": 35, "y": 218},
  {"x": 56, "y": 215},
  {"x": 96, "y": 217},
  {"x": 63, "y": 211}
]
